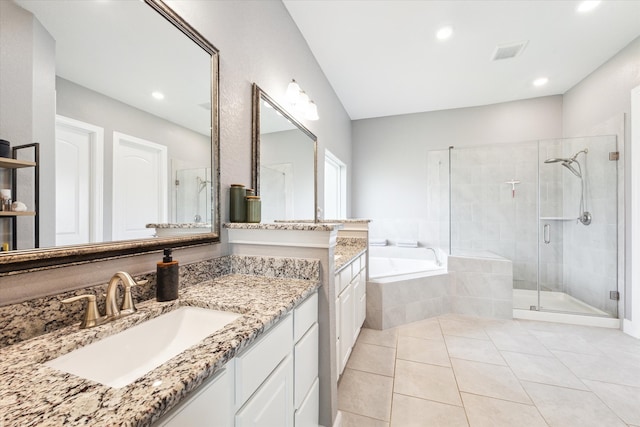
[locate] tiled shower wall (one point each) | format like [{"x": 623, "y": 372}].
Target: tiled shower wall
[{"x": 486, "y": 216}]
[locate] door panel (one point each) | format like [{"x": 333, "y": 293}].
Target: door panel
[{"x": 139, "y": 186}]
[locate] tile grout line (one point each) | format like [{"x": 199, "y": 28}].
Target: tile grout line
[{"x": 455, "y": 377}]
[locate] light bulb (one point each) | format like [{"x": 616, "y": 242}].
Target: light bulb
[
  {"x": 312, "y": 111},
  {"x": 293, "y": 92},
  {"x": 540, "y": 81},
  {"x": 444, "y": 33},
  {"x": 587, "y": 6}
]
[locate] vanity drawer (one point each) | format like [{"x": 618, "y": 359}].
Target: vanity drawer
[
  {"x": 309, "y": 412},
  {"x": 345, "y": 279},
  {"x": 256, "y": 364},
  {"x": 304, "y": 316},
  {"x": 306, "y": 364}
]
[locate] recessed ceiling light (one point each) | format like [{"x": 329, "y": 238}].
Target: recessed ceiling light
[
  {"x": 588, "y": 6},
  {"x": 540, "y": 81},
  {"x": 158, "y": 95},
  {"x": 444, "y": 32}
]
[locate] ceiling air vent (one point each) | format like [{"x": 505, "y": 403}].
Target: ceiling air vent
[{"x": 507, "y": 51}]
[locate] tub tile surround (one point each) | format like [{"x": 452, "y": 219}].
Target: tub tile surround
[
  {"x": 472, "y": 286},
  {"x": 35, "y": 317},
  {"x": 34, "y": 394}
]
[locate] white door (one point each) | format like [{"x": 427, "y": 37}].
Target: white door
[
  {"x": 335, "y": 187},
  {"x": 276, "y": 191},
  {"x": 139, "y": 186},
  {"x": 78, "y": 182}
]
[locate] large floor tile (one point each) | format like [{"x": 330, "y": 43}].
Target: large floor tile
[
  {"x": 565, "y": 342},
  {"x": 488, "y": 412},
  {"x": 518, "y": 340},
  {"x": 473, "y": 349},
  {"x": 355, "y": 420},
  {"x": 427, "y": 329},
  {"x": 488, "y": 380},
  {"x": 423, "y": 350},
  {"x": 565, "y": 407},
  {"x": 623, "y": 400},
  {"x": 600, "y": 368},
  {"x": 426, "y": 382},
  {"x": 463, "y": 328},
  {"x": 364, "y": 393},
  {"x": 386, "y": 338},
  {"x": 413, "y": 412},
  {"x": 372, "y": 358},
  {"x": 541, "y": 369}
]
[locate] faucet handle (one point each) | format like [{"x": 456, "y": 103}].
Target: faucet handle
[
  {"x": 92, "y": 316},
  {"x": 128, "y": 305}
]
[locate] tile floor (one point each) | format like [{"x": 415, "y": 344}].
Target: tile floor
[{"x": 461, "y": 371}]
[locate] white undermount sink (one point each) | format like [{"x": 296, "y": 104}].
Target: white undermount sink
[{"x": 120, "y": 359}]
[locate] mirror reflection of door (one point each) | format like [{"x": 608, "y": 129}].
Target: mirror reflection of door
[
  {"x": 139, "y": 186},
  {"x": 276, "y": 191},
  {"x": 335, "y": 187},
  {"x": 78, "y": 188}
]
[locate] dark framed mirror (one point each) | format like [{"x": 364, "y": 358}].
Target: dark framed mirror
[
  {"x": 124, "y": 109},
  {"x": 284, "y": 162}
]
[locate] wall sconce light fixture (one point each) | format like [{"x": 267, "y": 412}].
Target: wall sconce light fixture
[{"x": 300, "y": 101}]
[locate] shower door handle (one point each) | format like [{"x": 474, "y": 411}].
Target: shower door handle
[{"x": 546, "y": 234}]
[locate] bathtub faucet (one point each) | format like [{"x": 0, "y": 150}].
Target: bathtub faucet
[{"x": 435, "y": 255}]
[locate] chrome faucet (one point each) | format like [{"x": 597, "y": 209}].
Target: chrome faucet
[
  {"x": 92, "y": 315},
  {"x": 435, "y": 255}
]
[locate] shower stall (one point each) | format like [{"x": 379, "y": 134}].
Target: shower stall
[
  {"x": 193, "y": 195},
  {"x": 548, "y": 206}
]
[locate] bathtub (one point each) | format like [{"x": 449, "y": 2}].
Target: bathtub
[
  {"x": 405, "y": 285},
  {"x": 395, "y": 264}
]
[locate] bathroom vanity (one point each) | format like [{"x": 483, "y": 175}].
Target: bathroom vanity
[
  {"x": 262, "y": 362},
  {"x": 351, "y": 298}
]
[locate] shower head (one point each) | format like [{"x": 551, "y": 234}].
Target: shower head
[
  {"x": 572, "y": 169},
  {"x": 555, "y": 160},
  {"x": 567, "y": 163}
]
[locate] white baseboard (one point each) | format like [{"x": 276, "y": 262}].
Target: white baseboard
[
  {"x": 338, "y": 421},
  {"x": 631, "y": 328}
]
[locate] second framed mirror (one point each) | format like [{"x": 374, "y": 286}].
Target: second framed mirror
[{"x": 284, "y": 162}]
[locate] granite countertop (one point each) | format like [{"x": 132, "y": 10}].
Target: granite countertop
[
  {"x": 32, "y": 394},
  {"x": 180, "y": 225},
  {"x": 300, "y": 226},
  {"x": 348, "y": 249}
]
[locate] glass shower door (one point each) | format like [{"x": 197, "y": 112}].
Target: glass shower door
[{"x": 577, "y": 269}]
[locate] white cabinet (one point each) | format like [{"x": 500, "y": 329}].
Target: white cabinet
[
  {"x": 350, "y": 307},
  {"x": 346, "y": 325},
  {"x": 306, "y": 336},
  {"x": 257, "y": 362},
  {"x": 211, "y": 405},
  {"x": 273, "y": 382},
  {"x": 272, "y": 404}
]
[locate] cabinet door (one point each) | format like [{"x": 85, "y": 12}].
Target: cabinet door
[
  {"x": 309, "y": 412},
  {"x": 346, "y": 325},
  {"x": 272, "y": 404},
  {"x": 361, "y": 301},
  {"x": 306, "y": 364},
  {"x": 210, "y": 405}
]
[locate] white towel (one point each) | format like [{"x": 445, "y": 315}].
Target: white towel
[
  {"x": 407, "y": 243},
  {"x": 377, "y": 242}
]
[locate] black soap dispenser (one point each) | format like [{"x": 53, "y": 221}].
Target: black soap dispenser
[{"x": 167, "y": 278}]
